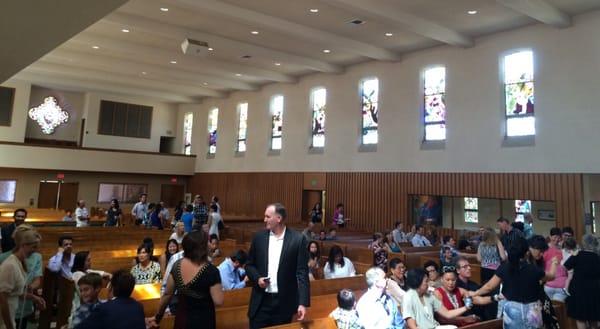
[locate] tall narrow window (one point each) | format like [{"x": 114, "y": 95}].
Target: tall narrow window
[
  {"x": 276, "y": 122},
  {"x": 242, "y": 127},
  {"x": 213, "y": 119},
  {"x": 369, "y": 90},
  {"x": 318, "y": 100},
  {"x": 471, "y": 210},
  {"x": 435, "y": 104},
  {"x": 518, "y": 93},
  {"x": 188, "y": 123},
  {"x": 522, "y": 207}
]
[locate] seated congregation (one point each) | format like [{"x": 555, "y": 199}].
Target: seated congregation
[{"x": 286, "y": 275}]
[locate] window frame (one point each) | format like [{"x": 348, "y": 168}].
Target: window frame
[
  {"x": 208, "y": 129},
  {"x": 470, "y": 210},
  {"x": 191, "y": 131},
  {"x": 517, "y": 213},
  {"x": 139, "y": 107},
  {"x": 502, "y": 62},
  {"x": 15, "y": 191},
  {"x": 239, "y": 123},
  {"x": 272, "y": 125},
  {"x": 362, "y": 129},
  {"x": 312, "y": 116},
  {"x": 424, "y": 95}
]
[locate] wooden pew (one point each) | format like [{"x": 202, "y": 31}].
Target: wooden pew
[
  {"x": 320, "y": 323},
  {"x": 56, "y": 287},
  {"x": 490, "y": 324}
]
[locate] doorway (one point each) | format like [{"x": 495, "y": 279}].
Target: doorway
[
  {"x": 58, "y": 195},
  {"x": 309, "y": 198},
  {"x": 171, "y": 194},
  {"x": 167, "y": 144}
]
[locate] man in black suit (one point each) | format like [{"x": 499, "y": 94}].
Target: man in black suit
[
  {"x": 7, "y": 242},
  {"x": 278, "y": 266}
]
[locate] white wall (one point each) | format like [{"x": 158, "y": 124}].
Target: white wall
[
  {"x": 164, "y": 123},
  {"x": 71, "y": 102},
  {"x": 16, "y": 131},
  {"x": 567, "y": 67}
]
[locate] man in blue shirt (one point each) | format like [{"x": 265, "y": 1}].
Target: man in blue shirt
[
  {"x": 419, "y": 240},
  {"x": 232, "y": 273}
]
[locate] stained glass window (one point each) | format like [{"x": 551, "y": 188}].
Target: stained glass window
[
  {"x": 519, "y": 94},
  {"x": 276, "y": 122},
  {"x": 242, "y": 127},
  {"x": 213, "y": 119},
  {"x": 188, "y": 123},
  {"x": 370, "y": 110},
  {"x": 8, "y": 190},
  {"x": 435, "y": 103},
  {"x": 318, "y": 102},
  {"x": 522, "y": 207},
  {"x": 471, "y": 210}
]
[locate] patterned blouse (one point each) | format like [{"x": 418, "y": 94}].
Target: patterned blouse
[
  {"x": 150, "y": 274},
  {"x": 490, "y": 256}
]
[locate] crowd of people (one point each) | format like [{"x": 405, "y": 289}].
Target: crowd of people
[{"x": 520, "y": 276}]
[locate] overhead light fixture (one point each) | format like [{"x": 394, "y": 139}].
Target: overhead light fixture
[
  {"x": 173, "y": 62},
  {"x": 125, "y": 30},
  {"x": 254, "y": 32},
  {"x": 165, "y": 9},
  {"x": 389, "y": 34},
  {"x": 210, "y": 49},
  {"x": 472, "y": 12},
  {"x": 238, "y": 74},
  {"x": 314, "y": 10},
  {"x": 205, "y": 83},
  {"x": 144, "y": 73},
  {"x": 327, "y": 51},
  {"x": 277, "y": 64},
  {"x": 95, "y": 47}
]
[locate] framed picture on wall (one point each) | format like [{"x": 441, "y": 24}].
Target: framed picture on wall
[
  {"x": 133, "y": 191},
  {"x": 107, "y": 192},
  {"x": 546, "y": 214}
]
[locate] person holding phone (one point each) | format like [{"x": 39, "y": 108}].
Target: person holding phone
[{"x": 278, "y": 267}]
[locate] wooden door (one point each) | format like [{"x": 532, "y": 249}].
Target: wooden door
[
  {"x": 309, "y": 198},
  {"x": 171, "y": 194},
  {"x": 47, "y": 195},
  {"x": 68, "y": 196}
]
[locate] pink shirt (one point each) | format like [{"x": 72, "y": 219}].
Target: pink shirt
[{"x": 561, "y": 272}]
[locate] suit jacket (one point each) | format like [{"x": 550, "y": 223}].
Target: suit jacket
[
  {"x": 292, "y": 275},
  {"x": 119, "y": 313}
]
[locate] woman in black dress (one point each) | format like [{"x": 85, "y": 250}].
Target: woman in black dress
[
  {"x": 316, "y": 214},
  {"x": 198, "y": 285},
  {"x": 584, "y": 289},
  {"x": 114, "y": 213}
]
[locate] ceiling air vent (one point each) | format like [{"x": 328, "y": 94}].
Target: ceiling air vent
[
  {"x": 194, "y": 47},
  {"x": 357, "y": 22}
]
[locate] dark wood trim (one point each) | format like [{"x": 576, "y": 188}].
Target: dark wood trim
[
  {"x": 12, "y": 106},
  {"x": 95, "y": 149}
]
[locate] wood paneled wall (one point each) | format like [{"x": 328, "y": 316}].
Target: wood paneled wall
[
  {"x": 375, "y": 200},
  {"x": 247, "y": 194}
]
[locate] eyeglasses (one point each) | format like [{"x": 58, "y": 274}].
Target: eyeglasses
[{"x": 447, "y": 269}]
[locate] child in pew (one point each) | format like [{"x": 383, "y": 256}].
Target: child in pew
[
  {"x": 89, "y": 289},
  {"x": 345, "y": 315}
]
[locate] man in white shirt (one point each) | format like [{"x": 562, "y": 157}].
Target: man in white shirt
[
  {"x": 62, "y": 262},
  {"x": 140, "y": 209},
  {"x": 419, "y": 240},
  {"x": 376, "y": 309},
  {"x": 82, "y": 216},
  {"x": 278, "y": 263},
  {"x": 399, "y": 235}
]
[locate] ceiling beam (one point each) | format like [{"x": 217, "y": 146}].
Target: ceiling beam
[
  {"x": 539, "y": 10},
  {"x": 98, "y": 59},
  {"x": 86, "y": 85},
  {"x": 218, "y": 42},
  {"x": 286, "y": 27},
  {"x": 111, "y": 77},
  {"x": 396, "y": 17}
]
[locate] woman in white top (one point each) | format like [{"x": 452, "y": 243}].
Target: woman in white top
[
  {"x": 337, "y": 265},
  {"x": 213, "y": 220},
  {"x": 13, "y": 276},
  {"x": 179, "y": 233}
]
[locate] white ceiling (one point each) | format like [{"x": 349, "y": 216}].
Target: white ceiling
[{"x": 138, "y": 62}]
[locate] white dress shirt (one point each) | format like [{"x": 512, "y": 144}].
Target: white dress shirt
[
  {"x": 275, "y": 247},
  {"x": 339, "y": 271},
  {"x": 81, "y": 212}
]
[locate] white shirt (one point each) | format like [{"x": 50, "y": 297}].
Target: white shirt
[
  {"x": 275, "y": 247},
  {"x": 174, "y": 258},
  {"x": 177, "y": 238},
  {"x": 81, "y": 212},
  {"x": 420, "y": 241},
  {"x": 339, "y": 271}
]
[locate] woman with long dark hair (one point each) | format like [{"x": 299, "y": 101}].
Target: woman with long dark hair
[
  {"x": 316, "y": 214},
  {"x": 114, "y": 213},
  {"x": 198, "y": 285},
  {"x": 337, "y": 265},
  {"x": 520, "y": 286},
  {"x": 171, "y": 249},
  {"x": 314, "y": 258}
]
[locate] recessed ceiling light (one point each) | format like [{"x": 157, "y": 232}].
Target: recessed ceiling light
[
  {"x": 472, "y": 12},
  {"x": 357, "y": 22},
  {"x": 125, "y": 30},
  {"x": 165, "y": 9},
  {"x": 144, "y": 73},
  {"x": 205, "y": 83},
  {"x": 314, "y": 10},
  {"x": 238, "y": 74},
  {"x": 389, "y": 34},
  {"x": 277, "y": 64},
  {"x": 173, "y": 62},
  {"x": 210, "y": 49},
  {"x": 95, "y": 47},
  {"x": 327, "y": 51},
  {"x": 254, "y": 32}
]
